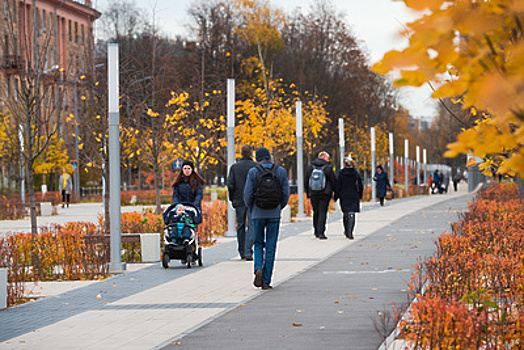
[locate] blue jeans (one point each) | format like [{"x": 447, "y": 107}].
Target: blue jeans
[
  {"x": 245, "y": 237},
  {"x": 266, "y": 246}
]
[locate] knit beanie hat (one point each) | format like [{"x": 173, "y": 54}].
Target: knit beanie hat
[
  {"x": 262, "y": 154},
  {"x": 190, "y": 163}
]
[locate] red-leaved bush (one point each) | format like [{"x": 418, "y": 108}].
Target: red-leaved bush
[{"x": 475, "y": 281}]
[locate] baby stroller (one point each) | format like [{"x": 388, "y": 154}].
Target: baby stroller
[{"x": 180, "y": 240}]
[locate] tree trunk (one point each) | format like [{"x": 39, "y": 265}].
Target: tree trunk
[
  {"x": 34, "y": 224},
  {"x": 156, "y": 169}
]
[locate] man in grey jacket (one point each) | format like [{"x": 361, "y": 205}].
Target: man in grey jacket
[
  {"x": 266, "y": 222},
  {"x": 236, "y": 181}
]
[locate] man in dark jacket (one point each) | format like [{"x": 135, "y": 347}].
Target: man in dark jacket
[
  {"x": 236, "y": 181},
  {"x": 320, "y": 198},
  {"x": 266, "y": 222}
]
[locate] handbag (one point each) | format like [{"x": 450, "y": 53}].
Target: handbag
[{"x": 389, "y": 193}]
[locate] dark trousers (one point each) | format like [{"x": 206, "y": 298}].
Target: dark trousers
[
  {"x": 65, "y": 197},
  {"x": 320, "y": 204},
  {"x": 245, "y": 237}
]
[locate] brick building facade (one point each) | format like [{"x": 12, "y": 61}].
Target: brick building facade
[{"x": 64, "y": 43}]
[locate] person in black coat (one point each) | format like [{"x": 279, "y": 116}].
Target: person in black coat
[
  {"x": 349, "y": 190},
  {"x": 236, "y": 182},
  {"x": 188, "y": 186},
  {"x": 320, "y": 199},
  {"x": 381, "y": 177}
]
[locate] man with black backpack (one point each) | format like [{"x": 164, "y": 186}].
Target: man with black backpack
[
  {"x": 266, "y": 193},
  {"x": 319, "y": 185}
]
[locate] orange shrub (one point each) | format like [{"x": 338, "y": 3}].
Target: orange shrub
[
  {"x": 475, "y": 281},
  {"x": 58, "y": 254},
  {"x": 11, "y": 209},
  {"x": 435, "y": 323},
  {"x": 214, "y": 215},
  {"x": 293, "y": 203}
]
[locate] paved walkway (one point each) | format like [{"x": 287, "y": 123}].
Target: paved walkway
[
  {"x": 328, "y": 294},
  {"x": 86, "y": 212}
]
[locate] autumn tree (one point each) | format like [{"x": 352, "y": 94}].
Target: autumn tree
[
  {"x": 471, "y": 51},
  {"x": 322, "y": 55},
  {"x": 30, "y": 96},
  {"x": 270, "y": 122},
  {"x": 9, "y": 151}
]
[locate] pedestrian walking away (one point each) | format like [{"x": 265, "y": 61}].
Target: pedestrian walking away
[
  {"x": 188, "y": 186},
  {"x": 266, "y": 193},
  {"x": 382, "y": 183},
  {"x": 436, "y": 183},
  {"x": 236, "y": 181},
  {"x": 456, "y": 179},
  {"x": 349, "y": 190},
  {"x": 319, "y": 185},
  {"x": 66, "y": 187}
]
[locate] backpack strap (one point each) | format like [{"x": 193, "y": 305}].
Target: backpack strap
[{"x": 260, "y": 167}]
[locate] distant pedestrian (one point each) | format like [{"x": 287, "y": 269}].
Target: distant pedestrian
[
  {"x": 382, "y": 183},
  {"x": 436, "y": 182},
  {"x": 349, "y": 190},
  {"x": 456, "y": 179},
  {"x": 319, "y": 185},
  {"x": 236, "y": 181},
  {"x": 66, "y": 187},
  {"x": 188, "y": 186},
  {"x": 444, "y": 182},
  {"x": 266, "y": 193}
]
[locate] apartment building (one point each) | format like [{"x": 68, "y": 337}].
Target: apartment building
[{"x": 51, "y": 37}]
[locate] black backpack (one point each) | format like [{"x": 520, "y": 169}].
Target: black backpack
[{"x": 267, "y": 193}]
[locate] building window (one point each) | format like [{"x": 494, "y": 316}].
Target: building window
[
  {"x": 82, "y": 33},
  {"x": 15, "y": 12},
  {"x": 44, "y": 21},
  {"x": 76, "y": 32},
  {"x": 69, "y": 31}
]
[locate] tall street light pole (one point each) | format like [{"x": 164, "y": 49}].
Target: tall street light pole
[
  {"x": 231, "y": 229},
  {"x": 116, "y": 265}
]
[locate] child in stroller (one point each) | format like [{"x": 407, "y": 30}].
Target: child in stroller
[
  {"x": 180, "y": 240},
  {"x": 184, "y": 228}
]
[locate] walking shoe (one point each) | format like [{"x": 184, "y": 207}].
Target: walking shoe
[
  {"x": 266, "y": 286},
  {"x": 248, "y": 258},
  {"x": 322, "y": 237},
  {"x": 258, "y": 278}
]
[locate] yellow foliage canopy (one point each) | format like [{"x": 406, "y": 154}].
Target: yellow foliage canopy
[{"x": 473, "y": 49}]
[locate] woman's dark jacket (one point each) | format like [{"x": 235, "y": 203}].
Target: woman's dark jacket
[
  {"x": 382, "y": 183},
  {"x": 349, "y": 190},
  {"x": 182, "y": 193}
]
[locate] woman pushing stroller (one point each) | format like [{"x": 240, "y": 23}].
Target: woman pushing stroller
[
  {"x": 182, "y": 217},
  {"x": 188, "y": 186}
]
